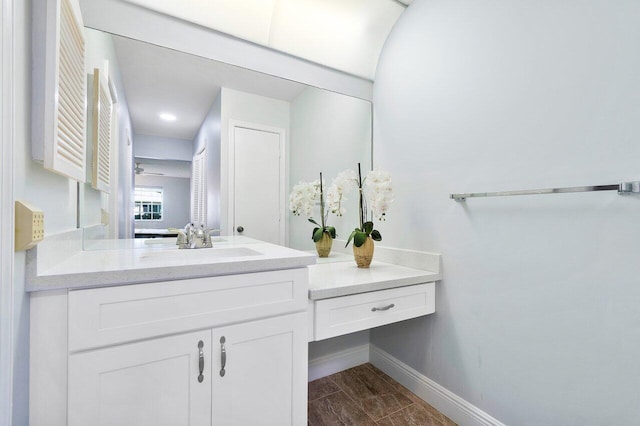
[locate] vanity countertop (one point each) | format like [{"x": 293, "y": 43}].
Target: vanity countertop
[
  {"x": 137, "y": 261},
  {"x": 338, "y": 275}
]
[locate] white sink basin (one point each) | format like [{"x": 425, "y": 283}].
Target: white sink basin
[
  {"x": 204, "y": 253},
  {"x": 171, "y": 242}
]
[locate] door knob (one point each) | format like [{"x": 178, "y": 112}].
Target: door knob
[{"x": 240, "y": 229}]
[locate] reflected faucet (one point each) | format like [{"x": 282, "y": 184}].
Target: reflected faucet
[{"x": 193, "y": 237}]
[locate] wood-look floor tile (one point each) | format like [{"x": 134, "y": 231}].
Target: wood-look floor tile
[
  {"x": 362, "y": 394},
  {"x": 437, "y": 415},
  {"x": 337, "y": 409},
  {"x": 321, "y": 387},
  {"x": 413, "y": 415},
  {"x": 446, "y": 421},
  {"x": 372, "y": 394},
  {"x": 379, "y": 372},
  {"x": 421, "y": 403}
]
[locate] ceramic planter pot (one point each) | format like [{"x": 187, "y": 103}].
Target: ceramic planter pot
[
  {"x": 363, "y": 254},
  {"x": 323, "y": 247}
]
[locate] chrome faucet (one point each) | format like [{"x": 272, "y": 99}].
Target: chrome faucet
[{"x": 193, "y": 237}]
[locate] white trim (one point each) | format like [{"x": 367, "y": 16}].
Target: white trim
[
  {"x": 451, "y": 405},
  {"x": 338, "y": 361},
  {"x": 233, "y": 124},
  {"x": 7, "y": 133}
]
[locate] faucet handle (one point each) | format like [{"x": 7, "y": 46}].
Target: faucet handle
[
  {"x": 182, "y": 240},
  {"x": 207, "y": 237}
]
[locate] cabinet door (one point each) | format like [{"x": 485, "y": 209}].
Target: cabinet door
[
  {"x": 260, "y": 372},
  {"x": 154, "y": 382}
]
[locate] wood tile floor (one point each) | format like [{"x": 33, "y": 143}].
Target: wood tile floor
[{"x": 365, "y": 396}]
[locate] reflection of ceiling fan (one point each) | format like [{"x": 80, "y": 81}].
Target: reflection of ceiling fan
[{"x": 140, "y": 171}]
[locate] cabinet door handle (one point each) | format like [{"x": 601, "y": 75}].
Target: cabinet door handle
[
  {"x": 384, "y": 308},
  {"x": 201, "y": 361},
  {"x": 223, "y": 356}
]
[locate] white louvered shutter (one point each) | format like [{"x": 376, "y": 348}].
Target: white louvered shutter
[
  {"x": 198, "y": 190},
  {"x": 70, "y": 152},
  {"x": 59, "y": 85},
  {"x": 101, "y": 131}
]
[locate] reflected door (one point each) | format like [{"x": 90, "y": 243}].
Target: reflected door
[{"x": 258, "y": 182}]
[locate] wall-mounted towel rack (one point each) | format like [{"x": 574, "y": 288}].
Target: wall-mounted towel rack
[{"x": 623, "y": 188}]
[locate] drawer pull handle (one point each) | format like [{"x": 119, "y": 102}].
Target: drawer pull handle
[
  {"x": 384, "y": 308},
  {"x": 201, "y": 361},
  {"x": 223, "y": 356}
]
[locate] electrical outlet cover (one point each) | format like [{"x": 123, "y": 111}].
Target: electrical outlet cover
[{"x": 29, "y": 226}]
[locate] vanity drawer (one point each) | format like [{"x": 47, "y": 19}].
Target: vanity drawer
[
  {"x": 111, "y": 315},
  {"x": 347, "y": 314}
]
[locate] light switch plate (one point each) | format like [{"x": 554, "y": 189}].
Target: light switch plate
[{"x": 29, "y": 226}]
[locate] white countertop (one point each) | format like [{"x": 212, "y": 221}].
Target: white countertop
[
  {"x": 338, "y": 275},
  {"x": 114, "y": 262}
]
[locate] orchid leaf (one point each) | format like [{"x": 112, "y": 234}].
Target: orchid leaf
[
  {"x": 351, "y": 237},
  {"x": 313, "y": 221},
  {"x": 367, "y": 227},
  {"x": 375, "y": 234},
  {"x": 331, "y": 230},
  {"x": 359, "y": 238},
  {"x": 313, "y": 233},
  {"x": 317, "y": 235}
]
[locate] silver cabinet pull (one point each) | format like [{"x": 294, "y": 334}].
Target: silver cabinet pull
[
  {"x": 384, "y": 308},
  {"x": 240, "y": 228},
  {"x": 223, "y": 355},
  {"x": 201, "y": 361}
]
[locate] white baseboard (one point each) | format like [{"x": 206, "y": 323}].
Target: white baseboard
[
  {"x": 451, "y": 405},
  {"x": 338, "y": 361}
]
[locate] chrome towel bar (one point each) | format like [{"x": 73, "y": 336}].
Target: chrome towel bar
[{"x": 623, "y": 188}]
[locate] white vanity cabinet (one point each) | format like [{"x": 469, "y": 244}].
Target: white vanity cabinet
[
  {"x": 226, "y": 350},
  {"x": 265, "y": 375},
  {"x": 247, "y": 377},
  {"x": 153, "y": 382}
]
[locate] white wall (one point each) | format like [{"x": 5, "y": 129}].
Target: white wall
[
  {"x": 536, "y": 320},
  {"x": 330, "y": 132},
  {"x": 241, "y": 106},
  {"x": 161, "y": 148},
  {"x": 176, "y": 201}
]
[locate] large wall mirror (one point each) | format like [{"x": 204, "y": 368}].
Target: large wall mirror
[{"x": 196, "y": 140}]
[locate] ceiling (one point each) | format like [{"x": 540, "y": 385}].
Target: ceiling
[
  {"x": 346, "y": 35},
  {"x": 160, "y": 80}
]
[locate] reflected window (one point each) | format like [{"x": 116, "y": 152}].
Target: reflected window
[{"x": 148, "y": 203}]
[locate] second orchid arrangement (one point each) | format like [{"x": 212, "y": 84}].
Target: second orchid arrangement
[
  {"x": 375, "y": 194},
  {"x": 306, "y": 195}
]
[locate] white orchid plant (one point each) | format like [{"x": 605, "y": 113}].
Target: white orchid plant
[
  {"x": 306, "y": 195},
  {"x": 377, "y": 190}
]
